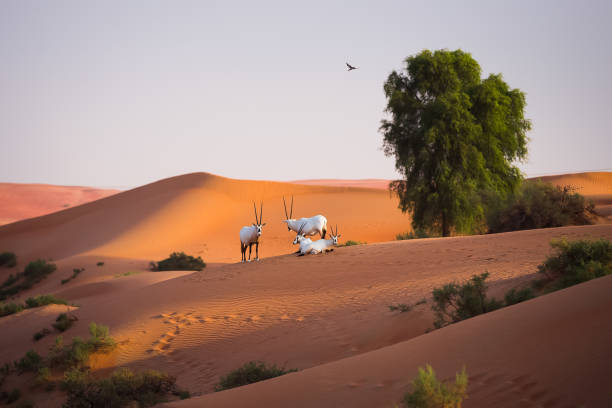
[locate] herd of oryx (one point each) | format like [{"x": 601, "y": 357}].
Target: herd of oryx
[{"x": 304, "y": 227}]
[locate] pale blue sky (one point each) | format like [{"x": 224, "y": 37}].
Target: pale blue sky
[{"x": 122, "y": 93}]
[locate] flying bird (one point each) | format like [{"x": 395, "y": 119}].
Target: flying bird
[{"x": 350, "y": 67}]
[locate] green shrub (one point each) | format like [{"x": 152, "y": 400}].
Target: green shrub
[
  {"x": 179, "y": 261},
  {"x": 10, "y": 308},
  {"x": 77, "y": 354},
  {"x": 64, "y": 321},
  {"x": 75, "y": 273},
  {"x": 514, "y": 296},
  {"x": 8, "y": 259},
  {"x": 251, "y": 372},
  {"x": 454, "y": 302},
  {"x": 124, "y": 387},
  {"x": 416, "y": 234},
  {"x": 540, "y": 205},
  {"x": 32, "y": 361},
  {"x": 41, "y": 333},
  {"x": 577, "y": 261},
  {"x": 34, "y": 272},
  {"x": 100, "y": 263},
  {"x": 43, "y": 300},
  {"x": 352, "y": 243},
  {"x": 429, "y": 392},
  {"x": 401, "y": 307}
]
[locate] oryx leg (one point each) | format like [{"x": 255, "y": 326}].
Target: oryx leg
[
  {"x": 257, "y": 251},
  {"x": 250, "y": 245},
  {"x": 324, "y": 231},
  {"x": 242, "y": 252}
]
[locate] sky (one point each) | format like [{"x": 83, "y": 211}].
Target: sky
[{"x": 123, "y": 93}]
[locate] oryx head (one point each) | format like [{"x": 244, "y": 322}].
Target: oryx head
[
  {"x": 300, "y": 235},
  {"x": 290, "y": 215},
  {"x": 335, "y": 235},
  {"x": 258, "y": 224}
]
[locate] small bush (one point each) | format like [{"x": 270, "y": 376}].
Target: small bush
[
  {"x": 429, "y": 392},
  {"x": 251, "y": 372},
  {"x": 32, "y": 361},
  {"x": 76, "y": 355},
  {"x": 454, "y": 302},
  {"x": 75, "y": 273},
  {"x": 64, "y": 321},
  {"x": 34, "y": 272},
  {"x": 416, "y": 234},
  {"x": 10, "y": 308},
  {"x": 40, "y": 334},
  {"x": 13, "y": 396},
  {"x": 8, "y": 259},
  {"x": 514, "y": 296},
  {"x": 100, "y": 263},
  {"x": 352, "y": 243},
  {"x": 540, "y": 205},
  {"x": 577, "y": 261},
  {"x": 122, "y": 388},
  {"x": 43, "y": 300},
  {"x": 401, "y": 307},
  {"x": 179, "y": 261}
]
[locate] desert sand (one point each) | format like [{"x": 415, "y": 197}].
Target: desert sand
[
  {"x": 21, "y": 201},
  {"x": 325, "y": 315}
]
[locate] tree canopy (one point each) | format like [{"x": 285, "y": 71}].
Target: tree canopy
[{"x": 454, "y": 136}]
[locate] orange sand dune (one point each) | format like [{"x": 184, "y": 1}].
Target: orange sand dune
[
  {"x": 366, "y": 183},
  {"x": 21, "y": 201},
  {"x": 552, "y": 351},
  {"x": 200, "y": 214}
]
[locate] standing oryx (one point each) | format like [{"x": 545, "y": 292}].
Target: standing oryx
[
  {"x": 250, "y": 235},
  {"x": 310, "y": 226},
  {"x": 320, "y": 245}
]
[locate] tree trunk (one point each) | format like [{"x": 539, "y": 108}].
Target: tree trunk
[{"x": 445, "y": 226}]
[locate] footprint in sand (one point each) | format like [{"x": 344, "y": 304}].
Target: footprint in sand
[{"x": 179, "y": 321}]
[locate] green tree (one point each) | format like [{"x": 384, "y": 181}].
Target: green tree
[{"x": 454, "y": 136}]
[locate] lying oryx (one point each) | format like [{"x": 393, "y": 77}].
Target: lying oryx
[
  {"x": 303, "y": 241},
  {"x": 310, "y": 226},
  {"x": 320, "y": 245},
  {"x": 250, "y": 235}
]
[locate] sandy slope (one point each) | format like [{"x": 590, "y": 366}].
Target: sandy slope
[
  {"x": 21, "y": 201},
  {"x": 201, "y": 214},
  {"x": 302, "y": 312},
  {"x": 549, "y": 352}
]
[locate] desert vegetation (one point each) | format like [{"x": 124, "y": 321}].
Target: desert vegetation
[
  {"x": 429, "y": 392},
  {"x": 33, "y": 273},
  {"x": 75, "y": 273},
  {"x": 64, "y": 321},
  {"x": 350, "y": 242},
  {"x": 251, "y": 372},
  {"x": 31, "y": 302},
  {"x": 8, "y": 259},
  {"x": 537, "y": 204},
  {"x": 179, "y": 261},
  {"x": 415, "y": 234}
]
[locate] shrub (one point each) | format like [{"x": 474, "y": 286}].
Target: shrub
[
  {"x": 454, "y": 302},
  {"x": 401, "y": 307},
  {"x": 40, "y": 334},
  {"x": 13, "y": 396},
  {"x": 77, "y": 354},
  {"x": 34, "y": 272},
  {"x": 75, "y": 273},
  {"x": 351, "y": 243},
  {"x": 10, "y": 308},
  {"x": 429, "y": 392},
  {"x": 540, "y": 205},
  {"x": 64, "y": 321},
  {"x": 251, "y": 372},
  {"x": 32, "y": 361},
  {"x": 100, "y": 263},
  {"x": 179, "y": 261},
  {"x": 577, "y": 261},
  {"x": 8, "y": 259},
  {"x": 416, "y": 234},
  {"x": 122, "y": 388},
  {"x": 43, "y": 300},
  {"x": 514, "y": 296}
]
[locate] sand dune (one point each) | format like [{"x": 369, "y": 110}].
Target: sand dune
[
  {"x": 326, "y": 315},
  {"x": 21, "y": 201}
]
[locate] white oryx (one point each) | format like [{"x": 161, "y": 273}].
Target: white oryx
[
  {"x": 303, "y": 241},
  {"x": 310, "y": 226},
  {"x": 250, "y": 235},
  {"x": 321, "y": 245}
]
